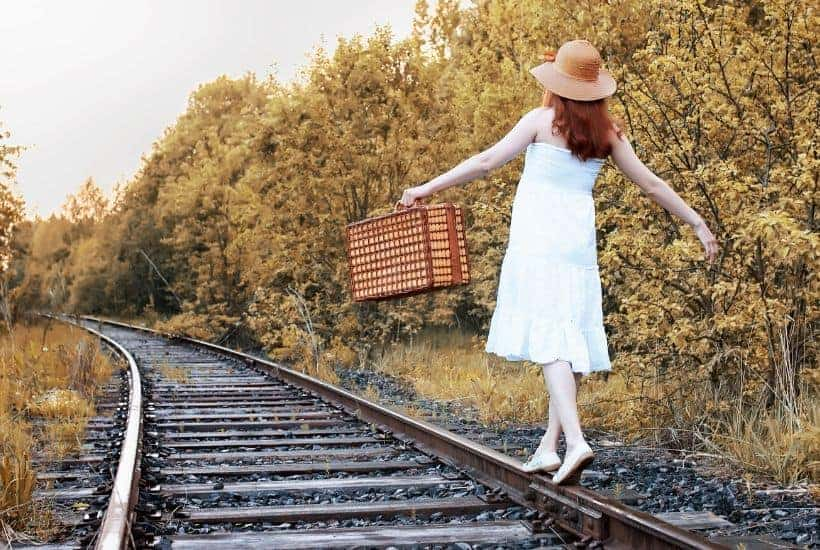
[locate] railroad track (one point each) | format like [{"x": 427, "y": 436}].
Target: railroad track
[{"x": 232, "y": 451}]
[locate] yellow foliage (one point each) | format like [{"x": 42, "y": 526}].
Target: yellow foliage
[
  {"x": 193, "y": 325},
  {"x": 340, "y": 354}
]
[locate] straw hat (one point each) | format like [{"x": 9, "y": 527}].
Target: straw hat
[{"x": 575, "y": 72}]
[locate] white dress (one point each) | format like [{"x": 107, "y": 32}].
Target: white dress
[{"x": 548, "y": 304}]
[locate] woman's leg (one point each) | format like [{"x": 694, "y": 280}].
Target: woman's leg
[
  {"x": 561, "y": 383},
  {"x": 551, "y": 436},
  {"x": 550, "y": 439}
]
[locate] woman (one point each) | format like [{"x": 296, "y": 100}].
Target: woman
[{"x": 548, "y": 307}]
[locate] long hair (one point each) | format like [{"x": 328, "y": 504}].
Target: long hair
[{"x": 585, "y": 125}]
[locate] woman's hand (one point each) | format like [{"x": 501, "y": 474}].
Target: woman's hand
[
  {"x": 411, "y": 194},
  {"x": 710, "y": 244}
]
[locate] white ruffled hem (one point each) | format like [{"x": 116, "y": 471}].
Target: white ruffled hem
[
  {"x": 547, "y": 311},
  {"x": 544, "y": 341}
]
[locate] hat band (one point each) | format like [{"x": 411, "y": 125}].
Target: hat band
[{"x": 587, "y": 73}]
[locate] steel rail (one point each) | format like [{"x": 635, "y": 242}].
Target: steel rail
[
  {"x": 115, "y": 528},
  {"x": 601, "y": 521}
]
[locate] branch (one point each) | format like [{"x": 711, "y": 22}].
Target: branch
[{"x": 159, "y": 274}]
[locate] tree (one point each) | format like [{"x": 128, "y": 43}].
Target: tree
[
  {"x": 723, "y": 102},
  {"x": 87, "y": 206},
  {"x": 11, "y": 214}
]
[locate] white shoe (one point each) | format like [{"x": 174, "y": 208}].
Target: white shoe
[
  {"x": 574, "y": 463},
  {"x": 542, "y": 461}
]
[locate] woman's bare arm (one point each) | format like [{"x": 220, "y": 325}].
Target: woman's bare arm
[
  {"x": 480, "y": 164},
  {"x": 659, "y": 191}
]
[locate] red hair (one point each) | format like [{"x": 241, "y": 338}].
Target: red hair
[{"x": 586, "y": 125}]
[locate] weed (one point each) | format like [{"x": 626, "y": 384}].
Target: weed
[
  {"x": 64, "y": 437},
  {"x": 176, "y": 374},
  {"x": 371, "y": 393},
  {"x": 17, "y": 476}
]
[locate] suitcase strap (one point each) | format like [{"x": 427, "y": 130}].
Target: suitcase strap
[{"x": 452, "y": 233}]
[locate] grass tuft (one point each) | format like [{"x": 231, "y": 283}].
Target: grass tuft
[
  {"x": 60, "y": 403},
  {"x": 180, "y": 375}
]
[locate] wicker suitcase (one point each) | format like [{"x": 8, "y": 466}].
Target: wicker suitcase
[{"x": 408, "y": 251}]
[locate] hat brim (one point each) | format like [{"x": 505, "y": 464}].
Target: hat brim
[{"x": 572, "y": 88}]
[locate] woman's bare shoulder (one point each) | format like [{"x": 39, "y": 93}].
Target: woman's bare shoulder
[
  {"x": 543, "y": 113},
  {"x": 617, "y": 137},
  {"x": 542, "y": 118}
]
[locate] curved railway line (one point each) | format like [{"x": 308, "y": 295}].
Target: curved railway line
[{"x": 225, "y": 450}]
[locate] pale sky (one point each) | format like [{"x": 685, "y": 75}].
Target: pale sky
[{"x": 89, "y": 85}]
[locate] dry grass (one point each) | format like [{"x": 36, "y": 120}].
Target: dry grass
[
  {"x": 412, "y": 411},
  {"x": 58, "y": 403},
  {"x": 776, "y": 442},
  {"x": 371, "y": 393},
  {"x": 318, "y": 367},
  {"x": 180, "y": 375},
  {"x": 731, "y": 421},
  {"x": 615, "y": 404},
  {"x": 17, "y": 477},
  {"x": 303, "y": 353},
  {"x": 782, "y": 441},
  {"x": 64, "y": 436},
  {"x": 451, "y": 366},
  {"x": 49, "y": 373}
]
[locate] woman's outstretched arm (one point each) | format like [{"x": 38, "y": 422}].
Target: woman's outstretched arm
[
  {"x": 480, "y": 164},
  {"x": 659, "y": 191}
]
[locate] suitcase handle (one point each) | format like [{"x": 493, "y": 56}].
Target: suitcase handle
[{"x": 416, "y": 203}]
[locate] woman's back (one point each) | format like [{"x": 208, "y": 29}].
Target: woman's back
[
  {"x": 553, "y": 213},
  {"x": 548, "y": 164}
]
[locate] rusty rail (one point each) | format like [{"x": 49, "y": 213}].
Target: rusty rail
[
  {"x": 115, "y": 528},
  {"x": 600, "y": 521}
]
